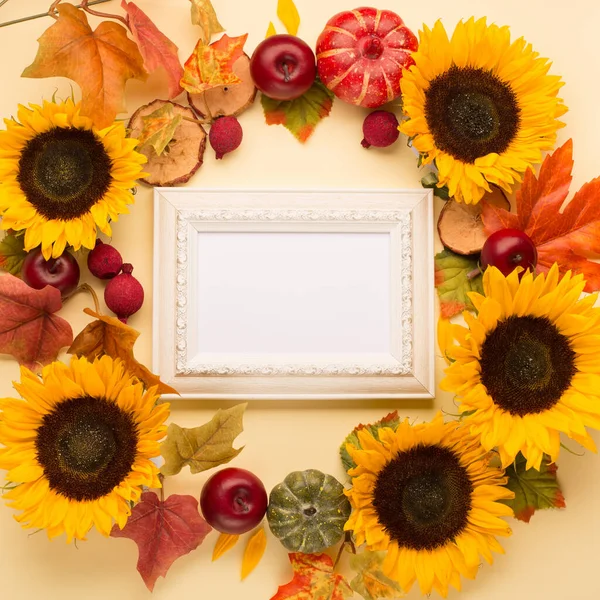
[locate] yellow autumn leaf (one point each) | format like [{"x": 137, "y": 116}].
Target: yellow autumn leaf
[
  {"x": 204, "y": 15},
  {"x": 159, "y": 128},
  {"x": 211, "y": 65},
  {"x": 254, "y": 552},
  {"x": 288, "y": 15},
  {"x": 225, "y": 542},
  {"x": 445, "y": 338},
  {"x": 270, "y": 30}
]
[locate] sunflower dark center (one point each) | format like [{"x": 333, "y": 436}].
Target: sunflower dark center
[
  {"x": 63, "y": 172},
  {"x": 526, "y": 365},
  {"x": 86, "y": 446},
  {"x": 422, "y": 497},
  {"x": 471, "y": 113}
]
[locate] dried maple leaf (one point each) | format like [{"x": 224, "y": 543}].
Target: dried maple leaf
[
  {"x": 254, "y": 551},
  {"x": 370, "y": 581},
  {"x": 212, "y": 66},
  {"x": 107, "y": 335},
  {"x": 163, "y": 532},
  {"x": 29, "y": 329},
  {"x": 533, "y": 489},
  {"x": 302, "y": 115},
  {"x": 313, "y": 579},
  {"x": 568, "y": 237},
  {"x": 159, "y": 128},
  {"x": 204, "y": 15},
  {"x": 156, "y": 48},
  {"x": 99, "y": 61},
  {"x": 204, "y": 447}
]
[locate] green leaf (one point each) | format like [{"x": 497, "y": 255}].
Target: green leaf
[
  {"x": 12, "y": 253},
  {"x": 430, "y": 181},
  {"x": 302, "y": 115},
  {"x": 204, "y": 447},
  {"x": 391, "y": 420},
  {"x": 370, "y": 581},
  {"x": 453, "y": 280},
  {"x": 159, "y": 128},
  {"x": 534, "y": 490}
]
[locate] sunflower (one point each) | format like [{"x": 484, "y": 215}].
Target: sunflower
[
  {"x": 526, "y": 368},
  {"x": 61, "y": 178},
  {"x": 79, "y": 446},
  {"x": 428, "y": 496},
  {"x": 481, "y": 108}
]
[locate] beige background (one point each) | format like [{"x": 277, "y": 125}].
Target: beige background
[{"x": 553, "y": 558}]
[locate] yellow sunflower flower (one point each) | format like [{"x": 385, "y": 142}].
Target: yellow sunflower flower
[
  {"x": 480, "y": 107},
  {"x": 61, "y": 178},
  {"x": 428, "y": 496},
  {"x": 527, "y": 366},
  {"x": 78, "y": 446}
]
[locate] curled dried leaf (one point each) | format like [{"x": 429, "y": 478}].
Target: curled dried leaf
[{"x": 182, "y": 156}]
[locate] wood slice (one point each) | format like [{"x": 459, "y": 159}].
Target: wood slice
[
  {"x": 460, "y": 226},
  {"x": 226, "y": 100},
  {"x": 184, "y": 154}
]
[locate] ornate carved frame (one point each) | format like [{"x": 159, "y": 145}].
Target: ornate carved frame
[{"x": 408, "y": 372}]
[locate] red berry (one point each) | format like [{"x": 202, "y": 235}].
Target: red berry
[
  {"x": 507, "y": 249},
  {"x": 61, "y": 273},
  {"x": 104, "y": 261},
  {"x": 124, "y": 294},
  {"x": 380, "y": 129},
  {"x": 225, "y": 135}
]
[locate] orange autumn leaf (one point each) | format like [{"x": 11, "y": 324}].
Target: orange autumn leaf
[
  {"x": 155, "y": 47},
  {"x": 314, "y": 579},
  {"x": 225, "y": 543},
  {"x": 107, "y": 335},
  {"x": 211, "y": 65},
  {"x": 255, "y": 548},
  {"x": 569, "y": 237},
  {"x": 100, "y": 61}
]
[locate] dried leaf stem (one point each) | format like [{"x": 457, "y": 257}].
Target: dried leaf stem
[
  {"x": 347, "y": 542},
  {"x": 85, "y": 5},
  {"x": 49, "y": 13},
  {"x": 86, "y": 287}
]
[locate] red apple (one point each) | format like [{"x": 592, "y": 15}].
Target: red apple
[
  {"x": 283, "y": 67},
  {"x": 61, "y": 273},
  {"x": 362, "y": 53},
  {"x": 233, "y": 501},
  {"x": 507, "y": 249}
]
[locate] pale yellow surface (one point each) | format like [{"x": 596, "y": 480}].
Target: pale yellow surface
[{"x": 556, "y": 557}]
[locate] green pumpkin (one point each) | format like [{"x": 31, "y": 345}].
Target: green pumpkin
[{"x": 307, "y": 511}]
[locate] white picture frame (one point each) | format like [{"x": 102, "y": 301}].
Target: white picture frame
[{"x": 193, "y": 224}]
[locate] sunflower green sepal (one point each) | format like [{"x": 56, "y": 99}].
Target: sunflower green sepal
[{"x": 391, "y": 420}]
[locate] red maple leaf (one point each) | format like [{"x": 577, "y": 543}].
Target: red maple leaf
[
  {"x": 156, "y": 48},
  {"x": 313, "y": 579},
  {"x": 164, "y": 531},
  {"x": 569, "y": 237},
  {"x": 29, "y": 329}
]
